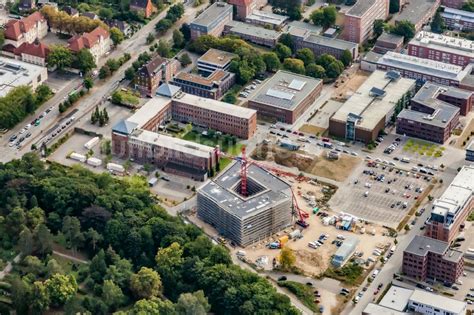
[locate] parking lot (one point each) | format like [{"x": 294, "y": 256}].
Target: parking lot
[{"x": 379, "y": 195}]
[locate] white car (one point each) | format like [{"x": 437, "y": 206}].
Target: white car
[
  {"x": 28, "y": 126},
  {"x": 11, "y": 144},
  {"x": 354, "y": 153}
]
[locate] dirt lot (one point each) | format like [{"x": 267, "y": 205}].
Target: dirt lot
[
  {"x": 350, "y": 85},
  {"x": 337, "y": 170}
]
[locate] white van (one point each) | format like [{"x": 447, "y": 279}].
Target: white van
[
  {"x": 312, "y": 245},
  {"x": 375, "y": 273}
]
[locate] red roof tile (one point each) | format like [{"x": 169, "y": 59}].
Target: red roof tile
[
  {"x": 38, "y": 50},
  {"x": 14, "y": 28},
  {"x": 87, "y": 40}
]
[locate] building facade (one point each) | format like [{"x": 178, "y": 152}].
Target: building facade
[
  {"x": 254, "y": 34},
  {"x": 388, "y": 42},
  {"x": 470, "y": 151},
  {"x": 245, "y": 219},
  {"x": 286, "y": 96},
  {"x": 214, "y": 86},
  {"x": 243, "y": 8},
  {"x": 212, "y": 20},
  {"x": 458, "y": 19},
  {"x": 418, "y": 12},
  {"x": 27, "y": 30},
  {"x": 451, "y": 210},
  {"x": 453, "y": 50},
  {"x": 98, "y": 42},
  {"x": 427, "y": 258},
  {"x": 155, "y": 71},
  {"x": 213, "y": 60},
  {"x": 143, "y": 7},
  {"x": 359, "y": 20}
]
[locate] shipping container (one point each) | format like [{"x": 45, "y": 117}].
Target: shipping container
[
  {"x": 78, "y": 157},
  {"x": 91, "y": 143},
  {"x": 115, "y": 167},
  {"x": 94, "y": 161}
]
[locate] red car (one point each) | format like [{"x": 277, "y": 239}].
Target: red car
[{"x": 325, "y": 140}]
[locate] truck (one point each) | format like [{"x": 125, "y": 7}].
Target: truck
[
  {"x": 94, "y": 161},
  {"x": 393, "y": 249},
  {"x": 91, "y": 143},
  {"x": 115, "y": 168},
  {"x": 375, "y": 273},
  {"x": 78, "y": 157}
]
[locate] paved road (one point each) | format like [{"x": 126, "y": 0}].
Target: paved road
[
  {"x": 9, "y": 266},
  {"x": 134, "y": 46}
]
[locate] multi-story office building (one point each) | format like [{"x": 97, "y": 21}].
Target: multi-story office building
[
  {"x": 428, "y": 258},
  {"x": 425, "y": 70},
  {"x": 285, "y": 96},
  {"x": 264, "y": 210},
  {"x": 458, "y": 19},
  {"x": 307, "y": 38},
  {"x": 359, "y": 20},
  {"x": 452, "y": 208},
  {"x": 213, "y": 60},
  {"x": 371, "y": 107},
  {"x": 214, "y": 86},
  {"x": 470, "y": 151},
  {"x": 418, "y": 12},
  {"x": 447, "y": 49},
  {"x": 155, "y": 71},
  {"x": 254, "y": 34},
  {"x": 212, "y": 20}
]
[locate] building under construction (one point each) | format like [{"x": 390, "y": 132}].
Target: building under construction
[{"x": 246, "y": 203}]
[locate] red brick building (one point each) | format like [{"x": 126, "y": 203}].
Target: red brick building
[
  {"x": 427, "y": 258},
  {"x": 453, "y": 50},
  {"x": 144, "y": 7},
  {"x": 359, "y": 20},
  {"x": 243, "y": 8},
  {"x": 155, "y": 71}
]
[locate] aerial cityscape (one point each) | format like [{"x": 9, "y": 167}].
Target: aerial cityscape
[{"x": 192, "y": 157}]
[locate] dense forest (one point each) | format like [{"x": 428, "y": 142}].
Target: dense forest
[{"x": 143, "y": 261}]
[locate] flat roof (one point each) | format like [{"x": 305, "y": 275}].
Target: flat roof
[
  {"x": 331, "y": 42},
  {"x": 415, "y": 10},
  {"x": 252, "y": 30},
  {"x": 458, "y": 14},
  {"x": 221, "y": 191},
  {"x": 470, "y": 146},
  {"x": 217, "y": 57},
  {"x": 172, "y": 143},
  {"x": 214, "y": 77},
  {"x": 396, "y": 298},
  {"x": 454, "y": 45},
  {"x": 438, "y": 301},
  {"x": 372, "y": 57},
  {"x": 431, "y": 90},
  {"x": 421, "y": 245},
  {"x": 371, "y": 108},
  {"x": 457, "y": 194},
  {"x": 441, "y": 117},
  {"x": 212, "y": 13},
  {"x": 285, "y": 90},
  {"x": 214, "y": 105},
  {"x": 147, "y": 111},
  {"x": 303, "y": 26},
  {"x": 14, "y": 73},
  {"x": 267, "y": 17},
  {"x": 390, "y": 38},
  {"x": 347, "y": 247},
  {"x": 375, "y": 309},
  {"x": 426, "y": 66},
  {"x": 361, "y": 7}
]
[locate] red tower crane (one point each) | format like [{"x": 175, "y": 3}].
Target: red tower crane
[{"x": 244, "y": 164}]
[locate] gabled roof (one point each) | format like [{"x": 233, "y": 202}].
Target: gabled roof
[
  {"x": 87, "y": 40},
  {"x": 140, "y": 3},
  {"x": 90, "y": 15},
  {"x": 151, "y": 67},
  {"x": 70, "y": 10},
  {"x": 33, "y": 49},
  {"x": 14, "y": 28}
]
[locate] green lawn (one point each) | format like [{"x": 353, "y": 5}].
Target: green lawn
[
  {"x": 423, "y": 148},
  {"x": 303, "y": 292},
  {"x": 223, "y": 141},
  {"x": 350, "y": 273}
]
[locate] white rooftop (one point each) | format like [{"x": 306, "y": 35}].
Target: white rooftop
[
  {"x": 14, "y": 73},
  {"x": 147, "y": 111},
  {"x": 426, "y": 66},
  {"x": 372, "y": 109},
  {"x": 175, "y": 144},
  {"x": 441, "y": 42},
  {"x": 438, "y": 301},
  {"x": 396, "y": 298},
  {"x": 457, "y": 194},
  {"x": 215, "y": 105},
  {"x": 267, "y": 17}
]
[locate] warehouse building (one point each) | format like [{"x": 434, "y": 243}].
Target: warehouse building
[
  {"x": 452, "y": 208},
  {"x": 264, "y": 211},
  {"x": 14, "y": 73},
  {"x": 285, "y": 96},
  {"x": 371, "y": 107},
  {"x": 344, "y": 252}
]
